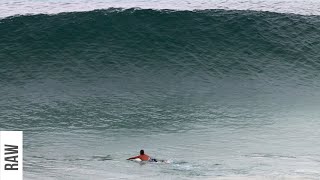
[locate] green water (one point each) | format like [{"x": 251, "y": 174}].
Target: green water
[{"x": 216, "y": 93}]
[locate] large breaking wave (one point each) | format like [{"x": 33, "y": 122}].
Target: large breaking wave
[{"x": 150, "y": 44}]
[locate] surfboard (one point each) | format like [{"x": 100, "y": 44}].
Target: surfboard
[{"x": 137, "y": 160}]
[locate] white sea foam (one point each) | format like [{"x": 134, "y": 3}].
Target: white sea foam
[
  {"x": 260, "y": 178},
  {"x": 22, "y": 7}
]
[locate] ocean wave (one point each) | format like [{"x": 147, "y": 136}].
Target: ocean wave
[
  {"x": 161, "y": 45},
  {"x": 23, "y": 7}
]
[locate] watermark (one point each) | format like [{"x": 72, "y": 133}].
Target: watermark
[{"x": 11, "y": 156}]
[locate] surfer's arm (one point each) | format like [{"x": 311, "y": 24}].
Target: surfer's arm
[{"x": 133, "y": 157}]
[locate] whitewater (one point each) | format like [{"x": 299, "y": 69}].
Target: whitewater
[{"x": 22, "y": 7}]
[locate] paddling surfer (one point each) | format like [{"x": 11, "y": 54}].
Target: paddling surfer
[{"x": 143, "y": 157}]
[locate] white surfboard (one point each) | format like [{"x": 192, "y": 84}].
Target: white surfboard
[{"x": 137, "y": 159}]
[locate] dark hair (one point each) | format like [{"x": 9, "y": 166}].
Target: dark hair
[{"x": 142, "y": 152}]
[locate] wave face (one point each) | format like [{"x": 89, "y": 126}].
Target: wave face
[
  {"x": 133, "y": 56},
  {"x": 226, "y": 93},
  {"x": 135, "y": 43}
]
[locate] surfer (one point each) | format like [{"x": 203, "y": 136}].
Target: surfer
[{"x": 143, "y": 157}]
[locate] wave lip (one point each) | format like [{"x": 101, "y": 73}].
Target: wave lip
[{"x": 23, "y": 7}]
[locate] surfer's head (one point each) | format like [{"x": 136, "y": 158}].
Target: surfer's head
[{"x": 141, "y": 152}]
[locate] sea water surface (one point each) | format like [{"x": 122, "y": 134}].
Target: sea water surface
[{"x": 217, "y": 93}]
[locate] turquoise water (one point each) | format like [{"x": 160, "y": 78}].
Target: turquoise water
[{"x": 216, "y": 93}]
